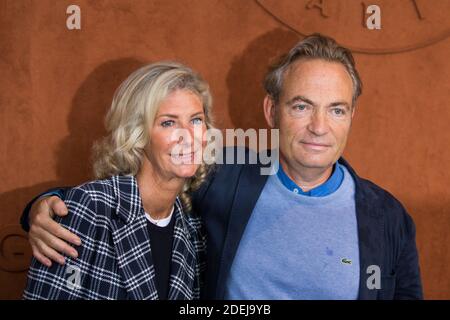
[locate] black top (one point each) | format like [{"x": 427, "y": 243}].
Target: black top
[{"x": 161, "y": 240}]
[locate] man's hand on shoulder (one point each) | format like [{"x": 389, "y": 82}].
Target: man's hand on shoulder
[{"x": 49, "y": 239}]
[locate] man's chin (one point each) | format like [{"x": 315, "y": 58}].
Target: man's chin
[{"x": 315, "y": 163}]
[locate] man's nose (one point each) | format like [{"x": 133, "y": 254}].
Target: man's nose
[{"x": 318, "y": 123}]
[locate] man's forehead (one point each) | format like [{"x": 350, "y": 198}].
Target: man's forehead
[
  {"x": 306, "y": 68},
  {"x": 316, "y": 77}
]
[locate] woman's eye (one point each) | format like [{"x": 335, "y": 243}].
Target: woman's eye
[
  {"x": 197, "y": 121},
  {"x": 167, "y": 123}
]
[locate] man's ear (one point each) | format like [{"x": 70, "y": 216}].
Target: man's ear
[{"x": 269, "y": 111}]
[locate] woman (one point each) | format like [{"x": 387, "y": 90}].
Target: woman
[{"x": 138, "y": 240}]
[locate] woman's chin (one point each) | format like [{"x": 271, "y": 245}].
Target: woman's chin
[{"x": 185, "y": 170}]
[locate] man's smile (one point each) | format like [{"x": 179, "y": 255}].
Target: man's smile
[{"x": 315, "y": 146}]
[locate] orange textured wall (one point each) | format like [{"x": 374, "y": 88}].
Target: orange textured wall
[{"x": 56, "y": 84}]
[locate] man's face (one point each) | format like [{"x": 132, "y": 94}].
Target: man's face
[{"x": 314, "y": 113}]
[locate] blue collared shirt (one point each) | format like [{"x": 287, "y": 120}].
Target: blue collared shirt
[{"x": 325, "y": 189}]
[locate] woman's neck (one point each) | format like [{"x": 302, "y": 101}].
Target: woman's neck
[{"x": 158, "y": 193}]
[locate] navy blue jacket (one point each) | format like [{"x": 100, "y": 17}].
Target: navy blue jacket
[{"x": 386, "y": 231}]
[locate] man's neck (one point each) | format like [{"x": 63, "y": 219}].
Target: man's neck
[{"x": 306, "y": 178}]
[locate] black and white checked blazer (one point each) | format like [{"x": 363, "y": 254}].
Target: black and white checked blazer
[{"x": 115, "y": 258}]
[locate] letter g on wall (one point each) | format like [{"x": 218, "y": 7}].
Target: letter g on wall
[{"x": 15, "y": 252}]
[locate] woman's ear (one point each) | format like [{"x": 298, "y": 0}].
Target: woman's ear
[{"x": 269, "y": 111}]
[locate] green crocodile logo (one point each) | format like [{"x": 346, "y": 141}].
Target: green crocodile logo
[{"x": 346, "y": 261}]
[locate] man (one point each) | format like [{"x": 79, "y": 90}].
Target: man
[{"x": 315, "y": 230}]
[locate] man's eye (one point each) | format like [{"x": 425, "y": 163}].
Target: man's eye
[
  {"x": 300, "y": 107},
  {"x": 197, "y": 121},
  {"x": 339, "y": 111},
  {"x": 167, "y": 123}
]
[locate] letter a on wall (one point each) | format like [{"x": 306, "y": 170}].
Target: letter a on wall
[
  {"x": 73, "y": 21},
  {"x": 374, "y": 20}
]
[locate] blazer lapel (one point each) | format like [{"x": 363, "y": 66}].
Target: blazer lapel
[
  {"x": 250, "y": 186},
  {"x": 132, "y": 242},
  {"x": 370, "y": 234},
  {"x": 182, "y": 268}
]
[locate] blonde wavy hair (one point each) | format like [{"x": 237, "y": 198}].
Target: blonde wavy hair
[{"x": 132, "y": 113}]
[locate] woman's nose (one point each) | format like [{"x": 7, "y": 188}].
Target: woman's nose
[{"x": 184, "y": 136}]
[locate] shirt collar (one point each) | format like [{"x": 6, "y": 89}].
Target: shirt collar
[
  {"x": 164, "y": 222},
  {"x": 325, "y": 189}
]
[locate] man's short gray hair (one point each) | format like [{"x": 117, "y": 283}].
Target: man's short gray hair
[{"x": 315, "y": 46}]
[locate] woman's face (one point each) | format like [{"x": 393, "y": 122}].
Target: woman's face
[{"x": 176, "y": 138}]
